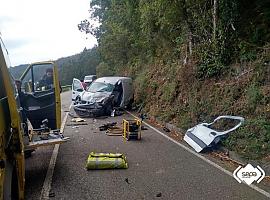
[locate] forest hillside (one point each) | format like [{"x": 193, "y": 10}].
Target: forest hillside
[
  {"x": 192, "y": 60},
  {"x": 75, "y": 66}
]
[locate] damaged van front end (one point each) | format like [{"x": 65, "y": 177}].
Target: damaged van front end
[
  {"x": 94, "y": 109},
  {"x": 103, "y": 96}
]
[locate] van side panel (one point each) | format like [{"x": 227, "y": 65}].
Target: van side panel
[{"x": 127, "y": 91}]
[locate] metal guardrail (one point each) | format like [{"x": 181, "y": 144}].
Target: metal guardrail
[{"x": 66, "y": 87}]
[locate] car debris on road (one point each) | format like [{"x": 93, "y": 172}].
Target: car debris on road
[
  {"x": 77, "y": 124},
  {"x": 107, "y": 126},
  {"x": 115, "y": 131},
  {"x": 203, "y": 136},
  {"x": 78, "y": 119}
]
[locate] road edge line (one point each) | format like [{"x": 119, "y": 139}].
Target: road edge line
[
  {"x": 45, "y": 192},
  {"x": 265, "y": 193}
]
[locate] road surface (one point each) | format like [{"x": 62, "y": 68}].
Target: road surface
[{"x": 158, "y": 169}]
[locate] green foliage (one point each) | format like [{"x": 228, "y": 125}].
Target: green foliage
[
  {"x": 167, "y": 115},
  {"x": 254, "y": 96},
  {"x": 210, "y": 64},
  {"x": 75, "y": 66},
  {"x": 252, "y": 139},
  {"x": 154, "y": 85},
  {"x": 246, "y": 52},
  {"x": 168, "y": 90},
  {"x": 185, "y": 121},
  {"x": 255, "y": 21},
  {"x": 141, "y": 84},
  {"x": 160, "y": 22},
  {"x": 217, "y": 53},
  {"x": 103, "y": 69},
  {"x": 78, "y": 66},
  {"x": 140, "y": 38},
  {"x": 142, "y": 29}
]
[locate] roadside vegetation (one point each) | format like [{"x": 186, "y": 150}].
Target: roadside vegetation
[
  {"x": 78, "y": 66},
  {"x": 75, "y": 66},
  {"x": 192, "y": 61}
]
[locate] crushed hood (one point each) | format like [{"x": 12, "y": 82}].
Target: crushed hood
[{"x": 94, "y": 97}]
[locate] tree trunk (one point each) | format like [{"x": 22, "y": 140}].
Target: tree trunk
[
  {"x": 214, "y": 19},
  {"x": 183, "y": 6}
]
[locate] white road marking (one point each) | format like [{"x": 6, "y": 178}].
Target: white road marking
[
  {"x": 48, "y": 180},
  {"x": 267, "y": 194}
]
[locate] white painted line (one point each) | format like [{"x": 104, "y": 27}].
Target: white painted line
[
  {"x": 203, "y": 158},
  {"x": 48, "y": 180}
]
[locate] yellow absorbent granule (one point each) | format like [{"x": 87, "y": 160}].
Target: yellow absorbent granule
[{"x": 106, "y": 161}]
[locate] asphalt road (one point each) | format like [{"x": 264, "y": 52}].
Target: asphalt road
[{"x": 158, "y": 169}]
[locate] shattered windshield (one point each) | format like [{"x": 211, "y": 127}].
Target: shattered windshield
[{"x": 100, "y": 87}]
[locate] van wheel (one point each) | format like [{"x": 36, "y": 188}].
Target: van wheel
[{"x": 108, "y": 110}]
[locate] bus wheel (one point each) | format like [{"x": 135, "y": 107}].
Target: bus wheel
[{"x": 11, "y": 182}]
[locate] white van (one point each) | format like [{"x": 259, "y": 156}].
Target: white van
[
  {"x": 106, "y": 93},
  {"x": 89, "y": 79}
]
